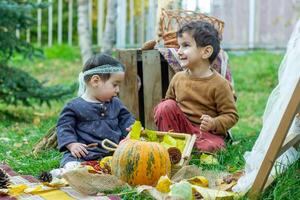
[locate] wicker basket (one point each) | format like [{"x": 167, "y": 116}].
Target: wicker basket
[{"x": 171, "y": 20}]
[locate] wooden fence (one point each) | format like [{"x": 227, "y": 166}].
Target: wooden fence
[
  {"x": 248, "y": 23},
  {"x": 58, "y": 23},
  {"x": 256, "y": 23}
]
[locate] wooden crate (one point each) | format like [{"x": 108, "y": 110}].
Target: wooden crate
[
  {"x": 186, "y": 153},
  {"x": 154, "y": 73},
  {"x": 189, "y": 143}
]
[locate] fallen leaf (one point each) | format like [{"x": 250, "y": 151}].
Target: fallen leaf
[
  {"x": 180, "y": 144},
  {"x": 152, "y": 191},
  {"x": 36, "y": 121},
  {"x": 233, "y": 177},
  {"x": 214, "y": 194},
  {"x": 227, "y": 186},
  {"x": 39, "y": 114},
  {"x": 152, "y": 136},
  {"x": 219, "y": 181},
  {"x": 58, "y": 182},
  {"x": 236, "y": 143},
  {"x": 231, "y": 169},
  {"x": 15, "y": 190},
  {"x": 18, "y": 145},
  {"x": 37, "y": 189},
  {"x": 163, "y": 184},
  {"x": 182, "y": 189},
  {"x": 135, "y": 132},
  {"x": 105, "y": 161},
  {"x": 199, "y": 181},
  {"x": 169, "y": 141},
  {"x": 208, "y": 159}
]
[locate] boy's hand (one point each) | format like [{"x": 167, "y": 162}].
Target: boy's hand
[
  {"x": 78, "y": 150},
  {"x": 208, "y": 123}
]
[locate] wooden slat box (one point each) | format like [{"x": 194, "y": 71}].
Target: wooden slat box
[
  {"x": 154, "y": 73},
  {"x": 186, "y": 154}
]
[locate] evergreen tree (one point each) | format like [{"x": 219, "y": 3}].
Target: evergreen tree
[{"x": 16, "y": 85}]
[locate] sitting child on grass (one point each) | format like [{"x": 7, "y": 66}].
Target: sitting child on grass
[
  {"x": 199, "y": 100},
  {"x": 96, "y": 114}
]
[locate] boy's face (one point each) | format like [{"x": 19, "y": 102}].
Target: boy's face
[
  {"x": 189, "y": 54},
  {"x": 106, "y": 90}
]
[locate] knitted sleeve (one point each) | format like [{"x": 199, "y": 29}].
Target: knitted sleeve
[
  {"x": 170, "y": 94},
  {"x": 226, "y": 108}
]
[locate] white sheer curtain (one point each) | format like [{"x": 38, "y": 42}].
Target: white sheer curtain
[{"x": 288, "y": 75}]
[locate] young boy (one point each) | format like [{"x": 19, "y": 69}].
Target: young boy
[{"x": 199, "y": 100}]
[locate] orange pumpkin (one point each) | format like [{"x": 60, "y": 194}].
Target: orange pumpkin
[{"x": 140, "y": 163}]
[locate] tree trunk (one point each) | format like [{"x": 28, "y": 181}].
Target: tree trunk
[
  {"x": 109, "y": 38},
  {"x": 84, "y": 34}
]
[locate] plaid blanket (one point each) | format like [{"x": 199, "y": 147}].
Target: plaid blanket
[{"x": 64, "y": 193}]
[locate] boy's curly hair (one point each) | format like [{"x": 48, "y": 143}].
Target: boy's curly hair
[{"x": 204, "y": 34}]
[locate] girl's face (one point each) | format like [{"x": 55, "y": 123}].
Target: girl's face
[
  {"x": 189, "y": 54},
  {"x": 106, "y": 90}
]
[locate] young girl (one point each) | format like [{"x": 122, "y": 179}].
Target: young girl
[
  {"x": 199, "y": 100},
  {"x": 96, "y": 114}
]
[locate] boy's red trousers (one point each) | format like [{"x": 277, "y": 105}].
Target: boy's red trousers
[{"x": 169, "y": 117}]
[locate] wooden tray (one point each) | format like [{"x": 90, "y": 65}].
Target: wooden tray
[
  {"x": 185, "y": 156},
  {"x": 189, "y": 143}
]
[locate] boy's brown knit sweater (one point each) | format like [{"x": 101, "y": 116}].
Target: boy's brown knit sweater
[{"x": 211, "y": 96}]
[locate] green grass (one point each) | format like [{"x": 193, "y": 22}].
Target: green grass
[
  {"x": 61, "y": 64},
  {"x": 286, "y": 186},
  {"x": 255, "y": 75}
]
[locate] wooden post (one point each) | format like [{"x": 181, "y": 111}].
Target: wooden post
[
  {"x": 39, "y": 25},
  {"x": 129, "y": 89},
  {"x": 131, "y": 23},
  {"x": 91, "y": 18},
  {"x": 18, "y": 33},
  {"x": 70, "y": 22},
  {"x": 152, "y": 84},
  {"x": 151, "y": 22},
  {"x": 276, "y": 144},
  {"x": 251, "y": 24},
  {"x": 59, "y": 26},
  {"x": 100, "y": 17},
  {"x": 121, "y": 24},
  {"x": 50, "y": 24},
  {"x": 28, "y": 35},
  {"x": 142, "y": 30}
]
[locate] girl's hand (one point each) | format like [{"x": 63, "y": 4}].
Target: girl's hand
[
  {"x": 208, "y": 123},
  {"x": 124, "y": 140},
  {"x": 77, "y": 149},
  {"x": 128, "y": 129}
]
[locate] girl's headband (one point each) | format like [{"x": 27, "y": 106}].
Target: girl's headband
[{"x": 102, "y": 69}]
